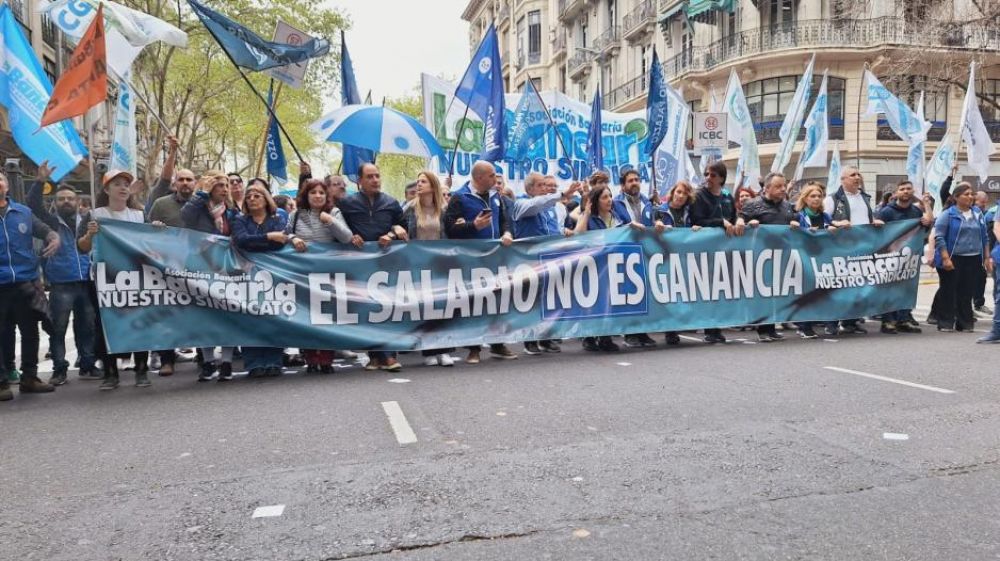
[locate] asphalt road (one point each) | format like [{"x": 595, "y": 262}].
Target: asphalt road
[{"x": 744, "y": 451}]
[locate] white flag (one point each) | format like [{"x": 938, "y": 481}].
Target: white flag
[
  {"x": 833, "y": 180},
  {"x": 741, "y": 128},
  {"x": 128, "y": 30},
  {"x": 902, "y": 120},
  {"x": 793, "y": 120},
  {"x": 817, "y": 133},
  {"x": 939, "y": 169},
  {"x": 915, "y": 155},
  {"x": 123, "y": 154},
  {"x": 978, "y": 145},
  {"x": 669, "y": 164}
]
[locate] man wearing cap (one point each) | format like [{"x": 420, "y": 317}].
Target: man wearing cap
[
  {"x": 22, "y": 301},
  {"x": 68, "y": 275}
]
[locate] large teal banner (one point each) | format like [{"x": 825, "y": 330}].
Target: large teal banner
[{"x": 172, "y": 287}]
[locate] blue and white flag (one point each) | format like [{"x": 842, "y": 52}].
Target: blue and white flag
[
  {"x": 595, "y": 150},
  {"x": 277, "y": 166},
  {"x": 907, "y": 125},
  {"x": 530, "y": 125},
  {"x": 353, "y": 156},
  {"x": 482, "y": 90},
  {"x": 938, "y": 170},
  {"x": 978, "y": 145},
  {"x": 656, "y": 106},
  {"x": 671, "y": 157},
  {"x": 25, "y": 91},
  {"x": 817, "y": 133},
  {"x": 789, "y": 133},
  {"x": 833, "y": 180},
  {"x": 123, "y": 154},
  {"x": 741, "y": 128},
  {"x": 915, "y": 161},
  {"x": 248, "y": 49}
]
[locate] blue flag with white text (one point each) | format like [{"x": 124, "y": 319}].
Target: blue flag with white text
[
  {"x": 248, "y": 49},
  {"x": 353, "y": 156},
  {"x": 277, "y": 166},
  {"x": 482, "y": 90},
  {"x": 656, "y": 106},
  {"x": 595, "y": 150},
  {"x": 25, "y": 91},
  {"x": 531, "y": 124}
]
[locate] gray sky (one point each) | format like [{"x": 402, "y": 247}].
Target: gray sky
[{"x": 392, "y": 41}]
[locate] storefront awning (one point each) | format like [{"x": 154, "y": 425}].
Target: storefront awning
[
  {"x": 671, "y": 12},
  {"x": 696, "y": 8}
]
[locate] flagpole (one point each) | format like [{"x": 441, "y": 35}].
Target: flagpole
[
  {"x": 257, "y": 93},
  {"x": 857, "y": 125},
  {"x": 458, "y": 139}
]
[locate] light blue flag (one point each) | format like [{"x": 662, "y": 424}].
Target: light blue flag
[
  {"x": 817, "y": 133},
  {"x": 482, "y": 90},
  {"x": 277, "y": 166},
  {"x": 595, "y": 149},
  {"x": 902, "y": 120},
  {"x": 25, "y": 91},
  {"x": 915, "y": 160},
  {"x": 531, "y": 124},
  {"x": 789, "y": 133},
  {"x": 939, "y": 169},
  {"x": 123, "y": 148},
  {"x": 353, "y": 156},
  {"x": 249, "y": 50},
  {"x": 833, "y": 180}
]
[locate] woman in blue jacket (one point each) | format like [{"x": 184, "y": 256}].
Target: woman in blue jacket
[
  {"x": 960, "y": 254},
  {"x": 260, "y": 228}
]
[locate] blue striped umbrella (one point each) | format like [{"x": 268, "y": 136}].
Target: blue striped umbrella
[{"x": 377, "y": 128}]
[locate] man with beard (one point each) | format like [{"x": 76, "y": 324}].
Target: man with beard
[
  {"x": 68, "y": 273},
  {"x": 167, "y": 207},
  {"x": 903, "y": 208},
  {"x": 639, "y": 208}
]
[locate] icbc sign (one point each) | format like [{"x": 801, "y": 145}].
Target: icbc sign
[{"x": 710, "y": 131}]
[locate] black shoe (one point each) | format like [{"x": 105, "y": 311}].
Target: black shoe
[
  {"x": 93, "y": 374},
  {"x": 225, "y": 371},
  {"x": 766, "y": 337},
  {"x": 713, "y": 338},
  {"x": 776, "y": 336},
  {"x": 550, "y": 346},
  {"x": 272, "y": 372},
  {"x": 256, "y": 373},
  {"x": 532, "y": 348},
  {"x": 606, "y": 345},
  {"x": 673, "y": 338},
  {"x": 853, "y": 330},
  {"x": 646, "y": 340},
  {"x": 312, "y": 368},
  {"x": 889, "y": 328},
  {"x": 633, "y": 341},
  {"x": 807, "y": 333},
  {"x": 831, "y": 331},
  {"x": 906, "y": 327},
  {"x": 58, "y": 378},
  {"x": 326, "y": 369},
  {"x": 590, "y": 344},
  {"x": 207, "y": 372},
  {"x": 945, "y": 328},
  {"x": 932, "y": 320}
]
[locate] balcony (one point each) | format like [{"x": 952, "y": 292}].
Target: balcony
[
  {"x": 629, "y": 91},
  {"x": 559, "y": 46},
  {"x": 504, "y": 18},
  {"x": 531, "y": 58},
  {"x": 579, "y": 64},
  {"x": 850, "y": 34},
  {"x": 639, "y": 22},
  {"x": 568, "y": 9},
  {"x": 49, "y": 32},
  {"x": 609, "y": 41}
]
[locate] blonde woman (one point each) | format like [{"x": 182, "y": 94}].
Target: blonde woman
[
  {"x": 810, "y": 208},
  {"x": 424, "y": 220}
]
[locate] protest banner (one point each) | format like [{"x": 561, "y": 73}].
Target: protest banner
[
  {"x": 623, "y": 136},
  {"x": 195, "y": 290}
]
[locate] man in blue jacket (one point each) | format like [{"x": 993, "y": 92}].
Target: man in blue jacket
[
  {"x": 903, "y": 207},
  {"x": 68, "y": 275},
  {"x": 630, "y": 201},
  {"x": 22, "y": 301},
  {"x": 374, "y": 216},
  {"x": 477, "y": 211}
]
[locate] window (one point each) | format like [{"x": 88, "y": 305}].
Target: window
[
  {"x": 782, "y": 13},
  {"x": 612, "y": 13},
  {"x": 50, "y": 68},
  {"x": 534, "y": 37},
  {"x": 769, "y": 101},
  {"x": 522, "y": 38},
  {"x": 537, "y": 83},
  {"x": 583, "y": 33},
  {"x": 687, "y": 43},
  {"x": 908, "y": 88},
  {"x": 694, "y": 106}
]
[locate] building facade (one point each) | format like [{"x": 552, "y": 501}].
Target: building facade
[{"x": 912, "y": 45}]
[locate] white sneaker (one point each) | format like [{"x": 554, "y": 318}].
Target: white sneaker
[
  {"x": 445, "y": 359},
  {"x": 430, "y": 361}
]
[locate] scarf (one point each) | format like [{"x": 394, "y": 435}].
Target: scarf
[{"x": 218, "y": 213}]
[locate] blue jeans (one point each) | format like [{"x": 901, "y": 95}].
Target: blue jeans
[
  {"x": 65, "y": 298},
  {"x": 996, "y": 300}
]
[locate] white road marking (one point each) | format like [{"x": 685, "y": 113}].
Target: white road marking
[
  {"x": 398, "y": 381},
  {"x": 892, "y": 380},
  {"x": 268, "y": 511},
  {"x": 624, "y": 363},
  {"x": 690, "y": 338},
  {"x": 400, "y": 426},
  {"x": 895, "y": 436}
]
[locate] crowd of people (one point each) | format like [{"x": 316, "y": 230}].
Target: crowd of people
[{"x": 961, "y": 242}]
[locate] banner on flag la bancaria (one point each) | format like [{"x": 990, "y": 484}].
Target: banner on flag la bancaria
[
  {"x": 173, "y": 287},
  {"x": 623, "y": 138}
]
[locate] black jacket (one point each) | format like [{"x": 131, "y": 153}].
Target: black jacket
[
  {"x": 710, "y": 211},
  {"x": 767, "y": 211}
]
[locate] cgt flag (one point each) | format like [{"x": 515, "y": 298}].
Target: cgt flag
[
  {"x": 481, "y": 89},
  {"x": 249, "y": 50},
  {"x": 85, "y": 82}
]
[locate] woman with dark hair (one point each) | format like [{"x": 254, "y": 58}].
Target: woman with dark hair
[
  {"x": 601, "y": 213},
  {"x": 316, "y": 220},
  {"x": 961, "y": 251},
  {"x": 115, "y": 202},
  {"x": 260, "y": 228},
  {"x": 424, "y": 220},
  {"x": 212, "y": 210}
]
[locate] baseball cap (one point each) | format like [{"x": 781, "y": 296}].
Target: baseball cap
[{"x": 113, "y": 173}]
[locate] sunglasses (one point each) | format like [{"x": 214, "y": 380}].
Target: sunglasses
[{"x": 255, "y": 196}]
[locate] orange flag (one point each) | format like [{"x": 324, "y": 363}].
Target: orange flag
[{"x": 85, "y": 82}]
